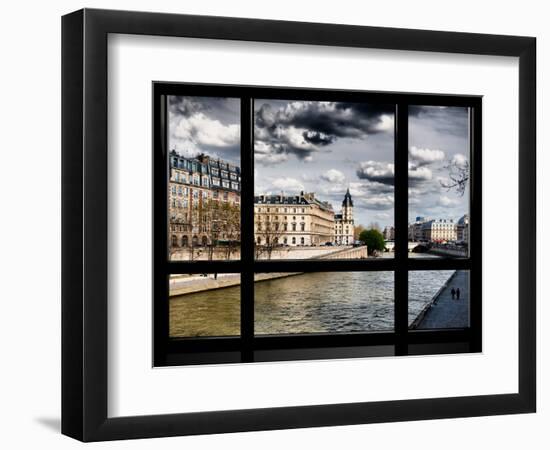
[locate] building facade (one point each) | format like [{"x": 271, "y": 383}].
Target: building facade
[
  {"x": 416, "y": 232},
  {"x": 389, "y": 233},
  {"x": 439, "y": 230},
  {"x": 301, "y": 220},
  {"x": 204, "y": 201},
  {"x": 463, "y": 229},
  {"x": 343, "y": 222},
  {"x": 296, "y": 220}
]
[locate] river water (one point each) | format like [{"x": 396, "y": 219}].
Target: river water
[{"x": 322, "y": 302}]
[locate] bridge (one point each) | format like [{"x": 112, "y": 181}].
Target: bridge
[
  {"x": 390, "y": 245},
  {"x": 432, "y": 248}
]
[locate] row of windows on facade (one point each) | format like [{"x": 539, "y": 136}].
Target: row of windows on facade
[
  {"x": 204, "y": 181},
  {"x": 276, "y": 210},
  {"x": 205, "y": 195},
  {"x": 203, "y": 163},
  {"x": 185, "y": 241},
  {"x": 285, "y": 240},
  {"x": 284, "y": 227}
]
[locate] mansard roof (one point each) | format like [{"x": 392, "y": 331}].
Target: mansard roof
[{"x": 301, "y": 199}]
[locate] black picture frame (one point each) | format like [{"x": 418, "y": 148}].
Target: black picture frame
[
  {"x": 249, "y": 347},
  {"x": 84, "y": 224}
]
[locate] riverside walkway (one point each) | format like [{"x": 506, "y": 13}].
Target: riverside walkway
[
  {"x": 192, "y": 283},
  {"x": 189, "y": 284},
  {"x": 443, "y": 311}
]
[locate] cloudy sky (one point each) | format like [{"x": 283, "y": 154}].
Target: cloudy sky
[
  {"x": 326, "y": 147},
  {"x": 205, "y": 124},
  {"x": 438, "y": 138}
]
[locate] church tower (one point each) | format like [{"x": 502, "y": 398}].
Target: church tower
[{"x": 347, "y": 208}]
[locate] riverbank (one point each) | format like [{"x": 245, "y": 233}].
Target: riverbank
[
  {"x": 318, "y": 252},
  {"x": 189, "y": 284},
  {"x": 446, "y": 252},
  {"x": 442, "y": 311}
]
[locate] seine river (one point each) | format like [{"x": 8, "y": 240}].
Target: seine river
[{"x": 321, "y": 302}]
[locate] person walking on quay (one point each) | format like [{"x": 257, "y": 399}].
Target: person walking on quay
[
  {"x": 458, "y": 293},
  {"x": 453, "y": 293}
]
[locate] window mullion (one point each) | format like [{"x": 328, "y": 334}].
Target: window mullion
[
  {"x": 247, "y": 227},
  {"x": 401, "y": 225}
]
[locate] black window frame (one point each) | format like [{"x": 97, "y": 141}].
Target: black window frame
[{"x": 248, "y": 347}]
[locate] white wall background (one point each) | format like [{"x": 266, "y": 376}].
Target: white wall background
[{"x": 30, "y": 225}]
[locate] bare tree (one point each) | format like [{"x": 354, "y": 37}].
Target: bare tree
[
  {"x": 269, "y": 232},
  {"x": 230, "y": 221},
  {"x": 459, "y": 174},
  {"x": 374, "y": 226},
  {"x": 221, "y": 221},
  {"x": 357, "y": 231}
]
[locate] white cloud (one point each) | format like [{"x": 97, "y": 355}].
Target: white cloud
[
  {"x": 443, "y": 200},
  {"x": 419, "y": 174},
  {"x": 386, "y": 123},
  {"x": 460, "y": 161},
  {"x": 383, "y": 172},
  {"x": 202, "y": 130},
  {"x": 287, "y": 184},
  {"x": 377, "y": 202},
  {"x": 333, "y": 176},
  {"x": 426, "y": 155}
]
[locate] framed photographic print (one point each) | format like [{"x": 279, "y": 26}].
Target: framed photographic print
[{"x": 311, "y": 213}]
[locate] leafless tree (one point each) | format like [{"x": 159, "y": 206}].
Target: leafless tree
[
  {"x": 357, "y": 231},
  {"x": 269, "y": 232},
  {"x": 459, "y": 174},
  {"x": 221, "y": 221},
  {"x": 374, "y": 226},
  {"x": 230, "y": 223}
]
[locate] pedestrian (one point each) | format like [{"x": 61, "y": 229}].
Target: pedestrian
[
  {"x": 458, "y": 293},
  {"x": 453, "y": 292}
]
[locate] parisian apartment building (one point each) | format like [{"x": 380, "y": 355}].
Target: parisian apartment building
[
  {"x": 389, "y": 233},
  {"x": 204, "y": 200},
  {"x": 302, "y": 220},
  {"x": 292, "y": 220},
  {"x": 439, "y": 230}
]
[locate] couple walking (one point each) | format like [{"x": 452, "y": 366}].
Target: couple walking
[{"x": 455, "y": 293}]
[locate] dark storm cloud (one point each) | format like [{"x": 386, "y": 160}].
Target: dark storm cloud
[{"x": 303, "y": 127}]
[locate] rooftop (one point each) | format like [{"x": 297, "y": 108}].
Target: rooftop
[{"x": 301, "y": 199}]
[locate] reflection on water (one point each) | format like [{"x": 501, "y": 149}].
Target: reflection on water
[
  {"x": 324, "y": 302},
  {"x": 211, "y": 313}
]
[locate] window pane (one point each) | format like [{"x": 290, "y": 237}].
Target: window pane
[
  {"x": 323, "y": 302},
  {"x": 439, "y": 180},
  {"x": 439, "y": 299},
  {"x": 204, "y": 190},
  {"x": 205, "y": 305},
  {"x": 323, "y": 179}
]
